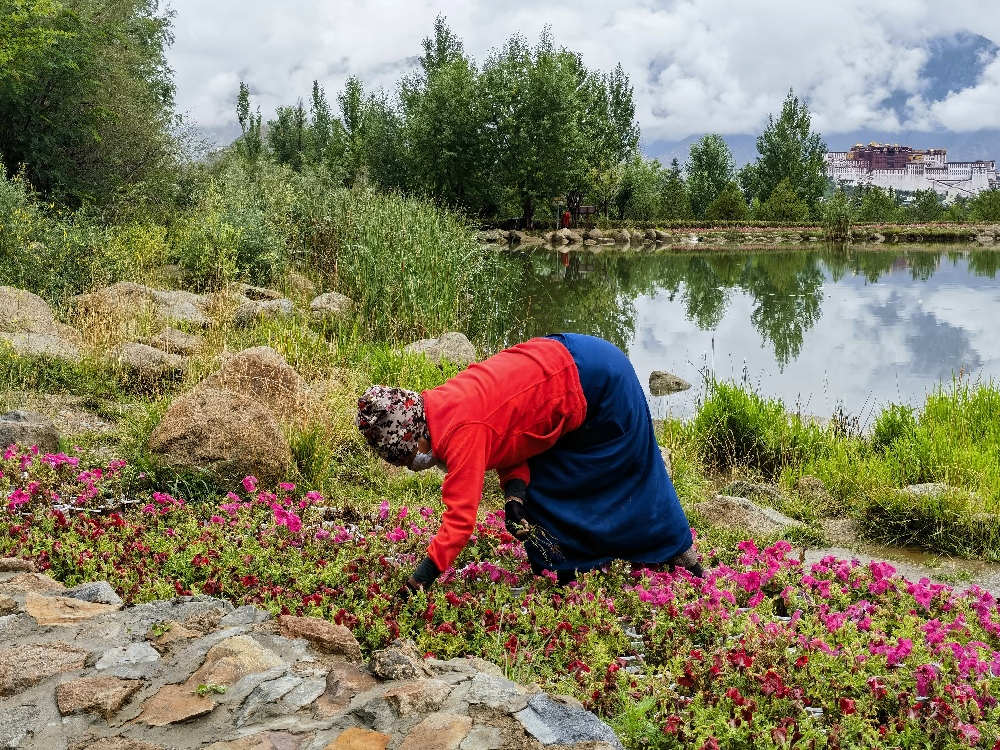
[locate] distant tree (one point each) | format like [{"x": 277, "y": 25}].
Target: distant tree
[
  {"x": 639, "y": 195},
  {"x": 251, "y": 145},
  {"x": 876, "y": 205},
  {"x": 729, "y": 205},
  {"x": 676, "y": 201},
  {"x": 784, "y": 204},
  {"x": 788, "y": 150},
  {"x": 927, "y": 205},
  {"x": 288, "y": 136},
  {"x": 838, "y": 217},
  {"x": 86, "y": 95},
  {"x": 985, "y": 206},
  {"x": 959, "y": 211},
  {"x": 353, "y": 108},
  {"x": 710, "y": 168}
]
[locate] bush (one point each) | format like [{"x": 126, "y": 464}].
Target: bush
[{"x": 729, "y": 205}]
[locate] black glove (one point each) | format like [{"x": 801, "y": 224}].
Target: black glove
[
  {"x": 513, "y": 511},
  {"x": 423, "y": 576}
]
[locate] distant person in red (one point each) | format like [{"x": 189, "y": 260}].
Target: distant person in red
[
  {"x": 567, "y": 217},
  {"x": 564, "y": 421}
]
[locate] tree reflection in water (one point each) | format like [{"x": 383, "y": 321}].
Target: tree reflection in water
[{"x": 595, "y": 292}]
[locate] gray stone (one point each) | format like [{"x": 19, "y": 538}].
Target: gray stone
[
  {"x": 130, "y": 662},
  {"x": 254, "y": 311},
  {"x": 401, "y": 661},
  {"x": 98, "y": 592},
  {"x": 927, "y": 489},
  {"x": 28, "y": 428},
  {"x": 40, "y": 345},
  {"x": 265, "y": 694},
  {"x": 146, "y": 363},
  {"x": 304, "y": 693},
  {"x": 452, "y": 347},
  {"x": 130, "y": 301},
  {"x": 258, "y": 293},
  {"x": 331, "y": 306},
  {"x": 664, "y": 383},
  {"x": 482, "y": 738},
  {"x": 175, "y": 342},
  {"x": 15, "y": 726},
  {"x": 743, "y": 515},
  {"x": 552, "y": 722},
  {"x": 245, "y": 615},
  {"x": 496, "y": 692}
]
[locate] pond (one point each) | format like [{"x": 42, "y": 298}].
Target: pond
[{"x": 821, "y": 328}]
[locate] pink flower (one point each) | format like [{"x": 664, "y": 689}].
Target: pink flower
[
  {"x": 968, "y": 732},
  {"x": 286, "y": 486},
  {"x": 286, "y": 518},
  {"x": 216, "y": 519},
  {"x": 383, "y": 510},
  {"x": 396, "y": 535},
  {"x": 250, "y": 483},
  {"x": 322, "y": 535}
]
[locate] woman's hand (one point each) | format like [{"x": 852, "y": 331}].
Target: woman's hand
[{"x": 514, "y": 520}]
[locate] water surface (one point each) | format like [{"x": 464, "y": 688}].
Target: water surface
[{"x": 818, "y": 327}]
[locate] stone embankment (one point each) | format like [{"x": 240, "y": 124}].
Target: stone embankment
[{"x": 78, "y": 671}]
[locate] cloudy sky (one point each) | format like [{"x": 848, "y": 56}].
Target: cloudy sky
[{"x": 697, "y": 65}]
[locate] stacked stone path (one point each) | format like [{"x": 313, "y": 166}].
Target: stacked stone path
[{"x": 79, "y": 671}]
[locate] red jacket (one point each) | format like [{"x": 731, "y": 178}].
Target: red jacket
[{"x": 496, "y": 415}]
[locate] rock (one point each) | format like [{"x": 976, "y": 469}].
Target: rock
[
  {"x": 8, "y": 605},
  {"x": 16, "y": 564},
  {"x": 146, "y": 363},
  {"x": 417, "y": 697},
  {"x": 649, "y": 234},
  {"x": 25, "y": 582},
  {"x": 668, "y": 459},
  {"x": 452, "y": 347},
  {"x": 24, "y": 312},
  {"x": 331, "y": 306},
  {"x": 174, "y": 703},
  {"x": 170, "y": 632},
  {"x": 662, "y": 236},
  {"x": 266, "y": 694},
  {"x": 16, "y": 724},
  {"x": 570, "y": 236},
  {"x": 342, "y": 683},
  {"x": 265, "y": 741},
  {"x": 552, "y": 722},
  {"x": 257, "y": 293},
  {"x": 664, "y": 383},
  {"x": 400, "y": 661},
  {"x": 743, "y": 515},
  {"x": 593, "y": 234},
  {"x": 207, "y": 621},
  {"x": 840, "y": 531},
  {"x": 927, "y": 489},
  {"x": 99, "y": 592},
  {"x": 263, "y": 375},
  {"x": 256, "y": 311},
  {"x": 483, "y": 738},
  {"x": 356, "y": 738},
  {"x": 438, "y": 731},
  {"x": 103, "y": 696},
  {"x": 129, "y": 301},
  {"x": 496, "y": 693},
  {"x": 128, "y": 661},
  {"x": 27, "y": 429},
  {"x": 115, "y": 743},
  {"x": 23, "y": 666},
  {"x": 41, "y": 345},
  {"x": 621, "y": 237},
  {"x": 301, "y": 284},
  {"x": 232, "y": 659},
  {"x": 174, "y": 341},
  {"x": 226, "y": 433},
  {"x": 325, "y": 636},
  {"x": 245, "y": 615},
  {"x": 556, "y": 239},
  {"x": 63, "y": 610},
  {"x": 814, "y": 490}
]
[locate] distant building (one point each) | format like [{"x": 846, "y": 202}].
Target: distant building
[{"x": 904, "y": 168}]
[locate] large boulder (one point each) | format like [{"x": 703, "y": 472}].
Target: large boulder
[
  {"x": 263, "y": 376},
  {"x": 146, "y": 363},
  {"x": 128, "y": 301},
  {"x": 744, "y": 515},
  {"x": 40, "y": 345},
  {"x": 452, "y": 347},
  {"x": 621, "y": 237},
  {"x": 255, "y": 311},
  {"x": 27, "y": 429},
  {"x": 331, "y": 306},
  {"x": 229, "y": 434},
  {"x": 664, "y": 383},
  {"x": 570, "y": 236},
  {"x": 29, "y": 326},
  {"x": 174, "y": 341}
]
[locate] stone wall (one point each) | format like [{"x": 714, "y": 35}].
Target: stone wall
[{"x": 78, "y": 671}]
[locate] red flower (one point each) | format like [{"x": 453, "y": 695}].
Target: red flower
[
  {"x": 673, "y": 726},
  {"x": 846, "y": 706}
]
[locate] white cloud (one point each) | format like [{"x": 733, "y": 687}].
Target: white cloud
[{"x": 696, "y": 65}]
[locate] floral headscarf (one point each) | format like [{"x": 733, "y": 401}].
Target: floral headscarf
[{"x": 392, "y": 420}]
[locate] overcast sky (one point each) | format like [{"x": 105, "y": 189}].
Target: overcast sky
[{"x": 697, "y": 65}]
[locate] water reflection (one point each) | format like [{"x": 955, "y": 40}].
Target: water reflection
[{"x": 856, "y": 326}]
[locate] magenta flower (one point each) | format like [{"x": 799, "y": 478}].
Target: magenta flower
[{"x": 250, "y": 483}]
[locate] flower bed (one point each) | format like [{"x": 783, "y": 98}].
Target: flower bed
[{"x": 764, "y": 652}]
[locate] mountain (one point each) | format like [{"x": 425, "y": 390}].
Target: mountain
[{"x": 954, "y": 63}]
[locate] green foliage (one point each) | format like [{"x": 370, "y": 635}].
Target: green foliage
[
  {"x": 926, "y": 206},
  {"x": 789, "y": 151},
  {"x": 784, "y": 204},
  {"x": 728, "y": 205},
  {"x": 710, "y": 169},
  {"x": 985, "y": 206},
  {"x": 85, "y": 108},
  {"x": 876, "y": 205},
  {"x": 838, "y": 217},
  {"x": 676, "y": 196}
]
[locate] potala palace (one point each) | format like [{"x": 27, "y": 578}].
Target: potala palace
[{"x": 904, "y": 168}]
